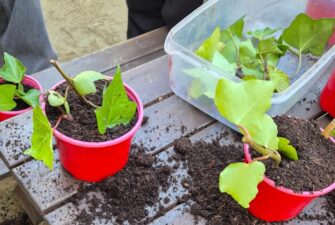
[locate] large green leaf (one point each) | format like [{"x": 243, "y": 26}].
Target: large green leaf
[
  {"x": 286, "y": 149},
  {"x": 41, "y": 140},
  {"x": 235, "y": 29},
  {"x": 116, "y": 108},
  {"x": 309, "y": 35},
  {"x": 230, "y": 50},
  {"x": 7, "y": 92},
  {"x": 13, "y": 70},
  {"x": 31, "y": 97},
  {"x": 84, "y": 82},
  {"x": 246, "y": 104},
  {"x": 247, "y": 52},
  {"x": 240, "y": 180},
  {"x": 209, "y": 46},
  {"x": 281, "y": 79},
  {"x": 261, "y": 34}
]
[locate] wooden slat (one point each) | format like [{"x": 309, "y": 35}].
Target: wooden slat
[
  {"x": 15, "y": 133},
  {"x": 66, "y": 214},
  {"x": 15, "y": 138},
  {"x": 4, "y": 171},
  {"x": 181, "y": 215},
  {"x": 137, "y": 49}
]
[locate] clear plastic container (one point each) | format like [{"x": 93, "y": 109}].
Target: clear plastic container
[{"x": 188, "y": 35}]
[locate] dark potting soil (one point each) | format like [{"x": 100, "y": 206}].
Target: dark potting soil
[
  {"x": 315, "y": 169},
  {"x": 127, "y": 194},
  {"x": 22, "y": 219},
  {"x": 205, "y": 161},
  {"x": 84, "y": 126},
  {"x": 21, "y": 105}
]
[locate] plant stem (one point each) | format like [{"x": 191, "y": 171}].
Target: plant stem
[
  {"x": 260, "y": 149},
  {"x": 299, "y": 65},
  {"x": 331, "y": 126},
  {"x": 69, "y": 81},
  {"x": 293, "y": 52}
]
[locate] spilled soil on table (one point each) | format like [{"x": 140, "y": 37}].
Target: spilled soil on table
[
  {"x": 315, "y": 169},
  {"x": 205, "y": 161},
  {"x": 126, "y": 195},
  {"x": 84, "y": 126}
]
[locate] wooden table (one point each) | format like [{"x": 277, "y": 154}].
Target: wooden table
[{"x": 44, "y": 193}]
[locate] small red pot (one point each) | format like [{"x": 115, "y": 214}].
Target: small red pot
[
  {"x": 94, "y": 161},
  {"x": 318, "y": 9},
  {"x": 327, "y": 97},
  {"x": 274, "y": 204},
  {"x": 27, "y": 80}
]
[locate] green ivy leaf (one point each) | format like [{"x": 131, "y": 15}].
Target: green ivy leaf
[
  {"x": 286, "y": 149},
  {"x": 229, "y": 52},
  {"x": 203, "y": 83},
  {"x": 260, "y": 34},
  {"x": 41, "y": 140},
  {"x": 246, "y": 104},
  {"x": 223, "y": 64},
  {"x": 7, "y": 92},
  {"x": 116, "y": 108},
  {"x": 309, "y": 35},
  {"x": 32, "y": 97},
  {"x": 281, "y": 79},
  {"x": 84, "y": 82},
  {"x": 240, "y": 180},
  {"x": 209, "y": 46},
  {"x": 235, "y": 29},
  {"x": 55, "y": 100},
  {"x": 13, "y": 70},
  {"x": 268, "y": 46}
]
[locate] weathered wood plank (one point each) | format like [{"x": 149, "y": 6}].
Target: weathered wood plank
[
  {"x": 4, "y": 171},
  {"x": 48, "y": 189},
  {"x": 15, "y": 138},
  {"x": 127, "y": 52},
  {"x": 181, "y": 215},
  {"x": 67, "y": 213},
  {"x": 149, "y": 80}
]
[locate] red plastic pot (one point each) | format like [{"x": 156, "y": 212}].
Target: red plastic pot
[
  {"x": 94, "y": 161},
  {"x": 28, "y": 80},
  {"x": 322, "y": 9},
  {"x": 327, "y": 97},
  {"x": 274, "y": 204}
]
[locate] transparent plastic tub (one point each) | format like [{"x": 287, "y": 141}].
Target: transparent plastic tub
[{"x": 187, "y": 69}]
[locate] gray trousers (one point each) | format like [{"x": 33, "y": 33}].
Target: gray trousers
[{"x": 23, "y": 34}]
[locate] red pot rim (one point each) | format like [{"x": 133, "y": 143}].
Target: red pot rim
[
  {"x": 287, "y": 190},
  {"x": 134, "y": 96},
  {"x": 34, "y": 84}
]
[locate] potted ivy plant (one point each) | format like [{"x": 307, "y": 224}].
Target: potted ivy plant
[
  {"x": 93, "y": 121},
  {"x": 18, "y": 92},
  {"x": 245, "y": 104}
]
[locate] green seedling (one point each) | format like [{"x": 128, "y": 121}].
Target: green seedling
[
  {"x": 116, "y": 109},
  {"x": 12, "y": 89}
]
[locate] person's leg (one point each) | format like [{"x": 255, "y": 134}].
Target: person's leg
[
  {"x": 144, "y": 16},
  {"x": 175, "y": 10},
  {"x": 23, "y": 34}
]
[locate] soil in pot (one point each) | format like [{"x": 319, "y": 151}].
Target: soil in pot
[
  {"x": 21, "y": 105},
  {"x": 205, "y": 161},
  {"x": 126, "y": 195},
  {"x": 315, "y": 169},
  {"x": 84, "y": 126}
]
